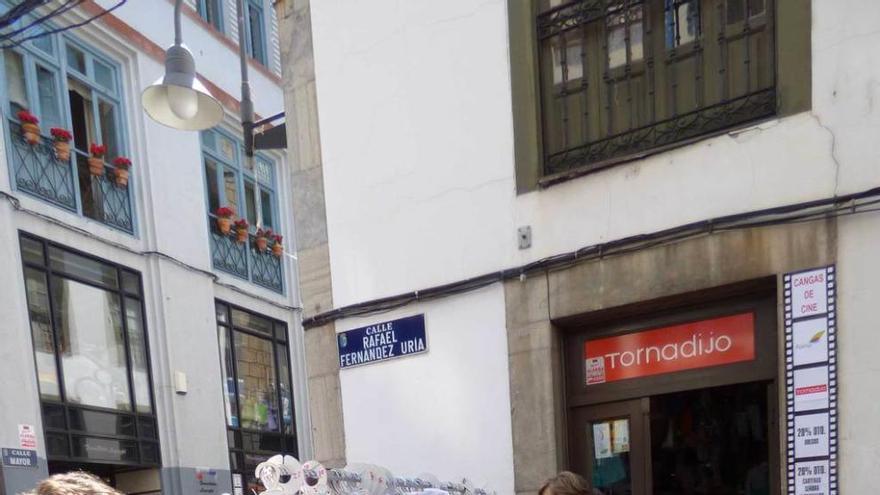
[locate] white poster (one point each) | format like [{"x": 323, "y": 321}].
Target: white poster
[
  {"x": 811, "y": 478},
  {"x": 602, "y": 440},
  {"x": 811, "y": 389},
  {"x": 595, "y": 370},
  {"x": 810, "y": 341},
  {"x": 27, "y": 437},
  {"x": 620, "y": 436},
  {"x": 809, "y": 295},
  {"x": 811, "y": 435}
]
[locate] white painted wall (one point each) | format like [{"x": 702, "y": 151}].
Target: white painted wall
[
  {"x": 167, "y": 184},
  {"x": 858, "y": 273},
  {"x": 416, "y": 129},
  {"x": 415, "y": 119},
  {"x": 446, "y": 412}
]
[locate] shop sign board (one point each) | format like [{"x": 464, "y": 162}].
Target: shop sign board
[
  {"x": 382, "y": 341},
  {"x": 811, "y": 381},
  {"x": 699, "y": 344},
  {"x": 22, "y": 458}
]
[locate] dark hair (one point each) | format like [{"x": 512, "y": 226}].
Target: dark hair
[{"x": 567, "y": 483}]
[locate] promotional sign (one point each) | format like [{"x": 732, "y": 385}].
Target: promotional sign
[
  {"x": 620, "y": 436},
  {"x": 812, "y": 478},
  {"x": 700, "y": 344},
  {"x": 811, "y": 381},
  {"x": 27, "y": 437},
  {"x": 602, "y": 440},
  {"x": 207, "y": 480},
  {"x": 382, "y": 341},
  {"x": 22, "y": 458}
]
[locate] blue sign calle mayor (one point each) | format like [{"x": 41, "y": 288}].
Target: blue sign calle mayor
[
  {"x": 20, "y": 458},
  {"x": 382, "y": 341}
]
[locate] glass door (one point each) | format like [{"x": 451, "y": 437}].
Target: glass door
[{"x": 611, "y": 446}]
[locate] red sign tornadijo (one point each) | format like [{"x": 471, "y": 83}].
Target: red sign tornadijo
[{"x": 699, "y": 344}]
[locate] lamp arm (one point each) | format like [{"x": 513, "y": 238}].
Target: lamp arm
[
  {"x": 178, "y": 37},
  {"x": 247, "y": 103}
]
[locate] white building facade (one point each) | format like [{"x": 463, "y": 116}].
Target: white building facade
[
  {"x": 541, "y": 178},
  {"x": 140, "y": 342}
]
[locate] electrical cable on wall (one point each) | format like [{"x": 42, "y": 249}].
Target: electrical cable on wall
[{"x": 838, "y": 206}]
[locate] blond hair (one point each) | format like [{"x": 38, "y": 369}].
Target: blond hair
[
  {"x": 73, "y": 483},
  {"x": 566, "y": 483}
]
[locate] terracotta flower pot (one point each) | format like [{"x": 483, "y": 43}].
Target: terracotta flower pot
[
  {"x": 31, "y": 132},
  {"x": 224, "y": 224},
  {"x": 62, "y": 150},
  {"x": 261, "y": 243},
  {"x": 122, "y": 177},
  {"x": 277, "y": 249},
  {"x": 96, "y": 166},
  {"x": 241, "y": 236}
]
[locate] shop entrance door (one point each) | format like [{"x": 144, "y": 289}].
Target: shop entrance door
[
  {"x": 609, "y": 446},
  {"x": 709, "y": 441}
]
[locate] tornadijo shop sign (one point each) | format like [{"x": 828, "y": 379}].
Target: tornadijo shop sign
[
  {"x": 700, "y": 344},
  {"x": 382, "y": 341}
]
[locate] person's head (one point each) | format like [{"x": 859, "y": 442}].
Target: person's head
[
  {"x": 73, "y": 483},
  {"x": 566, "y": 483}
]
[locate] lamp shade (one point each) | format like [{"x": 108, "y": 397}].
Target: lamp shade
[{"x": 178, "y": 99}]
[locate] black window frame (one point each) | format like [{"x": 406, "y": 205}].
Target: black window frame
[
  {"x": 144, "y": 424},
  {"x": 240, "y": 440}
]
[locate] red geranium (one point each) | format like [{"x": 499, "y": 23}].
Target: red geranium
[
  {"x": 25, "y": 116},
  {"x": 122, "y": 162},
  {"x": 241, "y": 224},
  {"x": 60, "y": 134},
  {"x": 225, "y": 212},
  {"x": 277, "y": 238},
  {"x": 264, "y": 233},
  {"x": 97, "y": 150}
]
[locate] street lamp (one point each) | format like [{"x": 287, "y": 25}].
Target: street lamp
[{"x": 178, "y": 99}]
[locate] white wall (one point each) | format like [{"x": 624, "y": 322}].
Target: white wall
[
  {"x": 858, "y": 273},
  {"x": 415, "y": 119},
  {"x": 416, "y": 128},
  {"x": 446, "y": 412}
]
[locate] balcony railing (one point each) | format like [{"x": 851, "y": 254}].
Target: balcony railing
[
  {"x": 67, "y": 184},
  {"x": 244, "y": 260}
]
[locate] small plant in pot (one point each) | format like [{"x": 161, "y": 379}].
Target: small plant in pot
[
  {"x": 241, "y": 230},
  {"x": 277, "y": 246},
  {"x": 61, "y": 142},
  {"x": 96, "y": 160},
  {"x": 224, "y": 219},
  {"x": 262, "y": 239},
  {"x": 30, "y": 128},
  {"x": 122, "y": 165}
]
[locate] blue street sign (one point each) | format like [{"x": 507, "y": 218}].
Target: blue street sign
[
  {"x": 20, "y": 458},
  {"x": 382, "y": 341}
]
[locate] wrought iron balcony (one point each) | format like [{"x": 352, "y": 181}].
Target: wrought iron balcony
[
  {"x": 244, "y": 260},
  {"x": 37, "y": 171}
]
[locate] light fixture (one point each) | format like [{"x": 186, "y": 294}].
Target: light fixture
[{"x": 178, "y": 99}]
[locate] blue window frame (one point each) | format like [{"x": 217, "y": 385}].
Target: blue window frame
[
  {"x": 69, "y": 85},
  {"x": 255, "y": 30},
  {"x": 212, "y": 12},
  {"x": 249, "y": 189}
]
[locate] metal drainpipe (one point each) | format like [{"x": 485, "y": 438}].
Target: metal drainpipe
[{"x": 247, "y": 104}]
